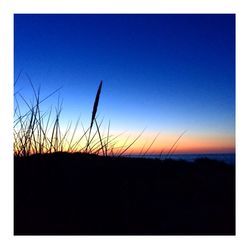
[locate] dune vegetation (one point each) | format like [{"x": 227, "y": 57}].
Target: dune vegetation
[
  {"x": 39, "y": 132},
  {"x": 70, "y": 185}
]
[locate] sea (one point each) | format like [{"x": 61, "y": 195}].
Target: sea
[{"x": 227, "y": 158}]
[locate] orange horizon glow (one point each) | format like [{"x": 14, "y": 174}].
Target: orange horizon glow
[
  {"x": 166, "y": 143},
  {"x": 188, "y": 144}
]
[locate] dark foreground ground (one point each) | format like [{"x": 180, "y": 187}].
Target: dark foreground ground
[{"x": 65, "y": 194}]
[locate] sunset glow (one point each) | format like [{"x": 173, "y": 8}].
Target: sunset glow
[{"x": 163, "y": 73}]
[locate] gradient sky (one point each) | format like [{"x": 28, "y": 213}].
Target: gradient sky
[{"x": 168, "y": 73}]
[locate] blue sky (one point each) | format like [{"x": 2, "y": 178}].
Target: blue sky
[{"x": 168, "y": 73}]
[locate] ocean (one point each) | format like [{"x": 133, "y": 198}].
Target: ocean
[{"x": 227, "y": 158}]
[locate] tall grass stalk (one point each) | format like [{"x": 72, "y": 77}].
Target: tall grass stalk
[{"x": 95, "y": 106}]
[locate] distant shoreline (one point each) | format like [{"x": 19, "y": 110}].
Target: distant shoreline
[{"x": 225, "y": 157}]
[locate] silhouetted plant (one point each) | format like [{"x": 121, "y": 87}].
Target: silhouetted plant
[{"x": 36, "y": 132}]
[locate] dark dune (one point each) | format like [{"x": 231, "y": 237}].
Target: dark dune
[{"x": 77, "y": 194}]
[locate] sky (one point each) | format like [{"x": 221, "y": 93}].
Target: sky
[{"x": 166, "y": 73}]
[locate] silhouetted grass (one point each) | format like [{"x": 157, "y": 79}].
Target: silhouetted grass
[
  {"x": 70, "y": 185},
  {"x": 37, "y": 132}
]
